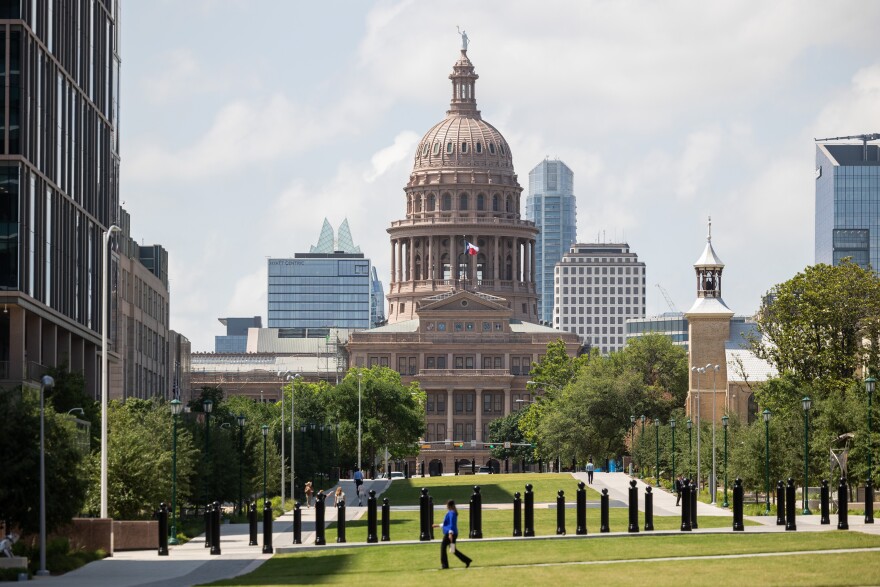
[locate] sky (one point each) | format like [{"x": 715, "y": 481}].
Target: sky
[{"x": 245, "y": 123}]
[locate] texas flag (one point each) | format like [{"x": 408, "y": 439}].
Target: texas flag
[{"x": 471, "y": 249}]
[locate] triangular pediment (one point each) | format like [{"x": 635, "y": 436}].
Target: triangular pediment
[{"x": 463, "y": 301}]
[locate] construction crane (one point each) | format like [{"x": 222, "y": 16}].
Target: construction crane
[
  {"x": 864, "y": 138},
  {"x": 668, "y": 299}
]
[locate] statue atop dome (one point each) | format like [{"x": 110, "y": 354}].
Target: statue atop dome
[{"x": 464, "y": 38}]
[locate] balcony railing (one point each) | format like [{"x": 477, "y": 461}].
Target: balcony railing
[
  {"x": 464, "y": 373},
  {"x": 460, "y": 219}
]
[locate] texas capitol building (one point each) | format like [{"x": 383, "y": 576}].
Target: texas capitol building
[{"x": 463, "y": 303}]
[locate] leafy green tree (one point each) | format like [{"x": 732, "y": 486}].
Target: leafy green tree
[
  {"x": 20, "y": 460},
  {"x": 813, "y": 326},
  {"x": 507, "y": 429}
]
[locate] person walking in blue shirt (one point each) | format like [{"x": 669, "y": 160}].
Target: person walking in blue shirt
[{"x": 450, "y": 534}]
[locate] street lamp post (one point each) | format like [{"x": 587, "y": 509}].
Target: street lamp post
[
  {"x": 724, "y": 421},
  {"x": 104, "y": 391},
  {"x": 292, "y": 379},
  {"x": 360, "y": 375},
  {"x": 241, "y": 420},
  {"x": 208, "y": 406},
  {"x": 698, "y": 371},
  {"x": 870, "y": 382},
  {"x": 265, "y": 429},
  {"x": 672, "y": 427},
  {"x": 690, "y": 425},
  {"x": 176, "y": 409},
  {"x": 632, "y": 437},
  {"x": 806, "y": 403},
  {"x": 766, "y": 414},
  {"x": 641, "y": 443},
  {"x": 657, "y": 435},
  {"x": 714, "y": 369},
  {"x": 45, "y": 383}
]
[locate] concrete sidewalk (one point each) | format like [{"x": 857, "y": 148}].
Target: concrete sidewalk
[{"x": 618, "y": 485}]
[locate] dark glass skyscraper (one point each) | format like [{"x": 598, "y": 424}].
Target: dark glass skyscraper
[
  {"x": 848, "y": 203},
  {"x": 59, "y": 169}
]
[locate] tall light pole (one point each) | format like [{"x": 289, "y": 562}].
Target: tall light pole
[
  {"x": 641, "y": 443},
  {"x": 870, "y": 382},
  {"x": 632, "y": 437},
  {"x": 724, "y": 420},
  {"x": 806, "y": 403},
  {"x": 690, "y": 425},
  {"x": 265, "y": 429},
  {"x": 208, "y": 406},
  {"x": 714, "y": 369},
  {"x": 292, "y": 379},
  {"x": 672, "y": 427},
  {"x": 45, "y": 383},
  {"x": 176, "y": 408},
  {"x": 104, "y": 325},
  {"x": 360, "y": 375},
  {"x": 241, "y": 420},
  {"x": 698, "y": 371},
  {"x": 766, "y": 414},
  {"x": 657, "y": 435}
]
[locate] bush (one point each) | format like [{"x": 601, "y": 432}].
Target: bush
[
  {"x": 59, "y": 558},
  {"x": 12, "y": 574}
]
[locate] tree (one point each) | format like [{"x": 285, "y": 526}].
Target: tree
[
  {"x": 393, "y": 415},
  {"x": 20, "y": 459},
  {"x": 813, "y": 325},
  {"x": 507, "y": 429}
]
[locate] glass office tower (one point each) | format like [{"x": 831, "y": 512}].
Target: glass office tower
[
  {"x": 552, "y": 207},
  {"x": 848, "y": 203}
]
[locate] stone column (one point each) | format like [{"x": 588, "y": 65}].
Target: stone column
[
  {"x": 496, "y": 260},
  {"x": 506, "y": 399},
  {"x": 429, "y": 262},
  {"x": 516, "y": 260},
  {"x": 527, "y": 261},
  {"x": 393, "y": 280},
  {"x": 412, "y": 259},
  {"x": 478, "y": 427},
  {"x": 453, "y": 257},
  {"x": 534, "y": 272}
]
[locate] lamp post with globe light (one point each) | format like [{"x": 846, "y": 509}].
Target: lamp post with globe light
[
  {"x": 806, "y": 403},
  {"x": 265, "y": 429},
  {"x": 176, "y": 409},
  {"x": 870, "y": 382},
  {"x": 766, "y": 415},
  {"x": 241, "y": 420}
]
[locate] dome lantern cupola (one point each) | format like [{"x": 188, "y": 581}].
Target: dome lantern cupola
[
  {"x": 464, "y": 81},
  {"x": 708, "y": 268}
]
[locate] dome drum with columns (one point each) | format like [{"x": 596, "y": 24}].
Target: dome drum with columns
[{"x": 462, "y": 189}]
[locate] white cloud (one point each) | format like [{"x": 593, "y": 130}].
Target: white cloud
[
  {"x": 700, "y": 153},
  {"x": 249, "y": 292},
  {"x": 856, "y": 110},
  {"x": 403, "y": 146}
]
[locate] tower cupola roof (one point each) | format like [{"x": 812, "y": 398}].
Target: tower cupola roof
[{"x": 709, "y": 259}]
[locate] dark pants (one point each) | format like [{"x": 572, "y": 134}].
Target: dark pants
[
  {"x": 590, "y": 477},
  {"x": 677, "y": 496},
  {"x": 444, "y": 560}
]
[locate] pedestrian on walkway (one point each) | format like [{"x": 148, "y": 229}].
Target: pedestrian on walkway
[
  {"x": 338, "y": 497},
  {"x": 590, "y": 468},
  {"x": 450, "y": 534},
  {"x": 358, "y": 481},
  {"x": 308, "y": 491},
  {"x": 679, "y": 482}
]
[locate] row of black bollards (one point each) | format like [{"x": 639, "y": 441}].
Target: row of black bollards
[{"x": 689, "y": 497}]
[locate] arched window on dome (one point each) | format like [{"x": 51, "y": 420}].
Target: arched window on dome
[
  {"x": 463, "y": 201},
  {"x": 464, "y": 147},
  {"x": 418, "y": 202},
  {"x": 492, "y": 148},
  {"x": 449, "y": 147},
  {"x": 425, "y": 149},
  {"x": 495, "y": 203},
  {"x": 509, "y": 205},
  {"x": 436, "y": 149},
  {"x": 446, "y": 203},
  {"x": 481, "y": 200},
  {"x": 502, "y": 148},
  {"x": 479, "y": 147},
  {"x": 432, "y": 202}
]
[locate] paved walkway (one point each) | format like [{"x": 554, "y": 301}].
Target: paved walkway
[{"x": 192, "y": 563}]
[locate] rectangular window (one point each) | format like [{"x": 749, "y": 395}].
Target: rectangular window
[{"x": 441, "y": 403}]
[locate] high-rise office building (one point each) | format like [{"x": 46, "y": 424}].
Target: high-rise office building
[
  {"x": 377, "y": 299},
  {"x": 235, "y": 340},
  {"x": 59, "y": 170},
  {"x": 598, "y": 286},
  {"x": 551, "y": 205},
  {"x": 848, "y": 201},
  {"x": 331, "y": 286}
]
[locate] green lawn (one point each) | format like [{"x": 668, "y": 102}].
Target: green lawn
[
  {"x": 529, "y": 562},
  {"x": 499, "y": 523},
  {"x": 493, "y": 488}
]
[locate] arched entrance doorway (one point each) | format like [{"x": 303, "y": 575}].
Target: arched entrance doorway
[
  {"x": 435, "y": 468},
  {"x": 494, "y": 465}
]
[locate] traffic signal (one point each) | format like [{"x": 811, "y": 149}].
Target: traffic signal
[{"x": 489, "y": 446}]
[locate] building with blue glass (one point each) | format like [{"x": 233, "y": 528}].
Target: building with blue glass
[
  {"x": 235, "y": 339},
  {"x": 329, "y": 287},
  {"x": 552, "y": 207},
  {"x": 848, "y": 202}
]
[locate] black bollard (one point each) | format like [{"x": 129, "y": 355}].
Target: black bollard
[
  {"x": 581, "y": 509},
  {"x": 320, "y": 517},
  {"x": 530, "y": 512},
  {"x": 506, "y": 465},
  {"x": 431, "y": 516},
  {"x": 633, "y": 506},
  {"x": 406, "y": 470},
  {"x": 215, "y": 528},
  {"x": 780, "y": 503},
  {"x": 267, "y": 527},
  {"x": 695, "y": 494},
  {"x": 208, "y": 519},
  {"x": 424, "y": 516},
  {"x": 824, "y": 498},
  {"x": 423, "y": 468},
  {"x": 162, "y": 514},
  {"x": 372, "y": 535},
  {"x": 790, "y": 502},
  {"x": 869, "y": 501},
  {"x": 473, "y": 466},
  {"x": 340, "y": 522},
  {"x": 478, "y": 513},
  {"x": 297, "y": 524},
  {"x": 842, "y": 505},
  {"x": 471, "y": 523},
  {"x": 560, "y": 513},
  {"x": 738, "y": 505},
  {"x": 386, "y": 520},
  {"x": 649, "y": 509},
  {"x": 252, "y": 521},
  {"x": 686, "y": 506},
  {"x": 603, "y": 526},
  {"x": 517, "y": 515}
]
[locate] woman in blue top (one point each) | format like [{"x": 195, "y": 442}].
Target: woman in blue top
[{"x": 450, "y": 533}]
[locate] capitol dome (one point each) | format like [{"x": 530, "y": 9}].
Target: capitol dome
[{"x": 463, "y": 138}]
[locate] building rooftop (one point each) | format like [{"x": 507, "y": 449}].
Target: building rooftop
[{"x": 852, "y": 155}]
